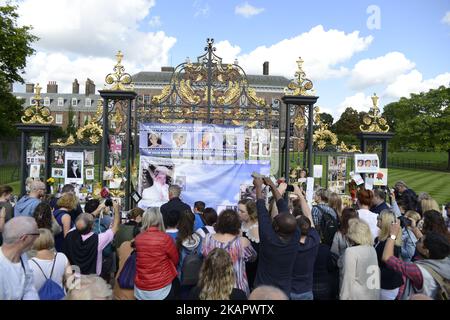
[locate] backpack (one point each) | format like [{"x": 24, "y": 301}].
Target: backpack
[
  {"x": 328, "y": 227},
  {"x": 50, "y": 290},
  {"x": 190, "y": 270},
  {"x": 443, "y": 292},
  {"x": 128, "y": 272}
]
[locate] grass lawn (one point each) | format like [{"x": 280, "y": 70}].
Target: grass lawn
[{"x": 424, "y": 156}]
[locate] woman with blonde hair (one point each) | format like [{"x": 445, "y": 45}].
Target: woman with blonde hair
[
  {"x": 156, "y": 260},
  {"x": 48, "y": 264},
  {"x": 360, "y": 272},
  {"x": 335, "y": 202},
  {"x": 390, "y": 280},
  {"x": 249, "y": 219},
  {"x": 217, "y": 279},
  {"x": 65, "y": 204},
  {"x": 429, "y": 204},
  {"x": 409, "y": 235}
]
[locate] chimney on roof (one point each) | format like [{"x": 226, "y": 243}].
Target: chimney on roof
[
  {"x": 52, "y": 87},
  {"x": 75, "y": 87},
  {"x": 29, "y": 88},
  {"x": 167, "y": 69},
  {"x": 90, "y": 87},
  {"x": 266, "y": 68}
]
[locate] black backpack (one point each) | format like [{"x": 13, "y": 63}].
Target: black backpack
[
  {"x": 190, "y": 269},
  {"x": 328, "y": 227}
]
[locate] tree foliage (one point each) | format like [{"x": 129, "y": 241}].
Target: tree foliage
[
  {"x": 15, "y": 47},
  {"x": 421, "y": 122}
]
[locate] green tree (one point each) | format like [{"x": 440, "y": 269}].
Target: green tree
[
  {"x": 422, "y": 122},
  {"x": 327, "y": 119},
  {"x": 15, "y": 47},
  {"x": 348, "y": 126}
]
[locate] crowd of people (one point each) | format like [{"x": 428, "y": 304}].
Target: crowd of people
[{"x": 387, "y": 246}]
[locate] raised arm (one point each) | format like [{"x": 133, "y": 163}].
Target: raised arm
[
  {"x": 390, "y": 243},
  {"x": 116, "y": 222},
  {"x": 303, "y": 204},
  {"x": 394, "y": 205}
]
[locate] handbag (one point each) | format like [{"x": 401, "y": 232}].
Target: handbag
[{"x": 128, "y": 272}]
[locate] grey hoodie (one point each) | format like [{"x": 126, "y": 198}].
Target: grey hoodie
[
  {"x": 25, "y": 206},
  {"x": 440, "y": 266}
]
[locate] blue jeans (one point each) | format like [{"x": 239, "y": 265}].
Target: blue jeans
[{"x": 302, "y": 296}]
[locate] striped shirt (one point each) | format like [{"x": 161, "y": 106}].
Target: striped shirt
[{"x": 239, "y": 256}]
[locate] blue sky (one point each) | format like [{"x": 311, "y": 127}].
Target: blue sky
[{"x": 346, "y": 59}]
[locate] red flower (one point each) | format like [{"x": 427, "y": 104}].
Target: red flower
[{"x": 104, "y": 193}]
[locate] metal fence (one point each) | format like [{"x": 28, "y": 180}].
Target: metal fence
[{"x": 418, "y": 164}]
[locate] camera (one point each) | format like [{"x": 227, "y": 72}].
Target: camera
[
  {"x": 404, "y": 222},
  {"x": 290, "y": 188},
  {"x": 109, "y": 202}
]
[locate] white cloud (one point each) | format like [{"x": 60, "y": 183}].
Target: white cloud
[
  {"x": 322, "y": 50},
  {"x": 247, "y": 10},
  {"x": 82, "y": 36},
  {"x": 201, "y": 10},
  {"x": 227, "y": 51},
  {"x": 381, "y": 70},
  {"x": 358, "y": 101},
  {"x": 413, "y": 82},
  {"x": 44, "y": 67},
  {"x": 96, "y": 28},
  {"x": 446, "y": 18},
  {"x": 155, "y": 22}
]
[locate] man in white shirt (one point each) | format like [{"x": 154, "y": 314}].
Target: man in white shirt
[{"x": 16, "y": 277}]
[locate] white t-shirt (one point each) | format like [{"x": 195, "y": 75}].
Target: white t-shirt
[
  {"x": 371, "y": 219},
  {"x": 15, "y": 284},
  {"x": 46, "y": 265},
  {"x": 202, "y": 234}
]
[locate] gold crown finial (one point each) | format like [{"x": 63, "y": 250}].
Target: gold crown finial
[
  {"x": 37, "y": 113},
  {"x": 373, "y": 121},
  {"x": 119, "y": 79},
  {"x": 300, "y": 85}
]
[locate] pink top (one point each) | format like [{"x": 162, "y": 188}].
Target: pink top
[{"x": 104, "y": 239}]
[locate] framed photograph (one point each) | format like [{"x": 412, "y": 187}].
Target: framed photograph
[
  {"x": 35, "y": 170},
  {"x": 58, "y": 173},
  {"x": 74, "y": 165},
  {"x": 89, "y": 173},
  {"x": 89, "y": 157},
  {"x": 59, "y": 157},
  {"x": 366, "y": 163}
]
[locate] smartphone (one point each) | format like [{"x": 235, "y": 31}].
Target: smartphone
[{"x": 290, "y": 188}]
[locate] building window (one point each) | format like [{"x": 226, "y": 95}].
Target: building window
[
  {"x": 88, "y": 102},
  {"x": 74, "y": 102},
  {"x": 46, "y": 102},
  {"x": 60, "y": 102},
  {"x": 146, "y": 99},
  {"x": 59, "y": 118}
]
